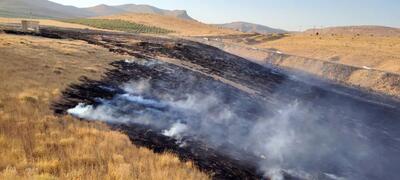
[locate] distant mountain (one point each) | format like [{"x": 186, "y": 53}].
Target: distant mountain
[
  {"x": 48, "y": 9},
  {"x": 357, "y": 30},
  {"x": 251, "y": 28},
  {"x": 153, "y": 10},
  {"x": 105, "y": 10},
  {"x": 39, "y": 8}
]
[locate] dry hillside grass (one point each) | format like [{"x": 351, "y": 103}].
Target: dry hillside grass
[
  {"x": 382, "y": 53},
  {"x": 45, "y": 22},
  {"x": 180, "y": 26},
  {"x": 34, "y": 144},
  {"x": 357, "y": 30}
]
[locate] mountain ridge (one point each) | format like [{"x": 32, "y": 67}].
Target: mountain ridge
[
  {"x": 106, "y": 10},
  {"x": 39, "y": 8},
  {"x": 52, "y": 10},
  {"x": 49, "y": 9}
]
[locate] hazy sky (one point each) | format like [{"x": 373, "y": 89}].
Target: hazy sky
[{"x": 286, "y": 14}]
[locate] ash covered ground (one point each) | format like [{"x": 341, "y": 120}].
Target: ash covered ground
[{"x": 234, "y": 118}]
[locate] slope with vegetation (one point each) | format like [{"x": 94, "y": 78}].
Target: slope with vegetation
[
  {"x": 119, "y": 25},
  {"x": 35, "y": 144},
  {"x": 179, "y": 26}
]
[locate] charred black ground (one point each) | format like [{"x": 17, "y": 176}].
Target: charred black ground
[
  {"x": 176, "y": 67},
  {"x": 174, "y": 81}
]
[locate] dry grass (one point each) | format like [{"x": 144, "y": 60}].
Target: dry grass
[
  {"x": 45, "y": 22},
  {"x": 382, "y": 53},
  {"x": 34, "y": 144},
  {"x": 179, "y": 26}
]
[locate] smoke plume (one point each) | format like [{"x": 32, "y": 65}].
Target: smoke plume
[{"x": 298, "y": 139}]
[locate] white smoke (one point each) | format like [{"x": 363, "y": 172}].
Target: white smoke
[
  {"x": 143, "y": 101},
  {"x": 82, "y": 111},
  {"x": 176, "y": 131},
  {"x": 136, "y": 87},
  {"x": 296, "y": 140}
]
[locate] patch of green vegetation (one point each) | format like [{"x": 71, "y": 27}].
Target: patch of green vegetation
[{"x": 119, "y": 25}]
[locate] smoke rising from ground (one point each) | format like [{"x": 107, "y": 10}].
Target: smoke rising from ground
[{"x": 299, "y": 139}]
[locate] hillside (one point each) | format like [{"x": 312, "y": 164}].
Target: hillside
[
  {"x": 183, "y": 81},
  {"x": 368, "y": 47},
  {"x": 179, "y": 26},
  {"x": 102, "y": 10},
  {"x": 105, "y": 10},
  {"x": 46, "y": 22},
  {"x": 251, "y": 28},
  {"x": 39, "y": 8},
  {"x": 365, "y": 51},
  {"x": 357, "y": 30},
  {"x": 48, "y": 9},
  {"x": 35, "y": 144}
]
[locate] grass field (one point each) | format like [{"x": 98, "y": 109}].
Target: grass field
[
  {"x": 364, "y": 51},
  {"x": 35, "y": 144},
  {"x": 382, "y": 53},
  {"x": 119, "y": 25}
]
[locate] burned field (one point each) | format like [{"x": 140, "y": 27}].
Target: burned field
[{"x": 231, "y": 117}]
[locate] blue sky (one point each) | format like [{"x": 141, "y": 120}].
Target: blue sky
[{"x": 286, "y": 14}]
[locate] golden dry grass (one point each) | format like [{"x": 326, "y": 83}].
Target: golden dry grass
[
  {"x": 45, "y": 22},
  {"x": 34, "y": 144},
  {"x": 180, "y": 26},
  {"x": 382, "y": 53}
]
